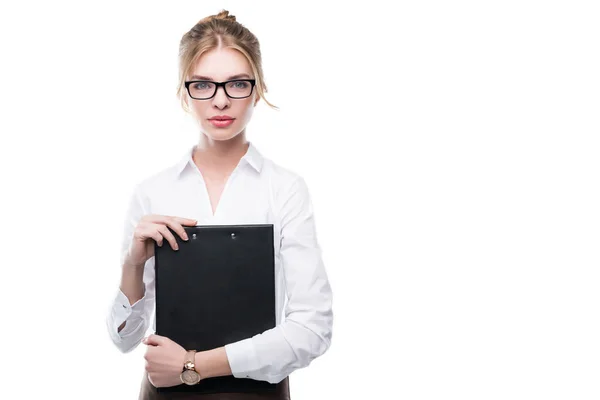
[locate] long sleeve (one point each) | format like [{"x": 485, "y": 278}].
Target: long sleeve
[
  {"x": 137, "y": 315},
  {"x": 307, "y": 329}
]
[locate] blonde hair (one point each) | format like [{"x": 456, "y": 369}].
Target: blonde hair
[{"x": 211, "y": 32}]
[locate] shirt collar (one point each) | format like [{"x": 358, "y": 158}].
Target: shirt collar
[{"x": 252, "y": 157}]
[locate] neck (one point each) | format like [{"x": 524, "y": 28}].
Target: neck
[{"x": 219, "y": 157}]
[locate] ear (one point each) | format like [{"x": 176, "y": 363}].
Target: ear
[{"x": 256, "y": 100}]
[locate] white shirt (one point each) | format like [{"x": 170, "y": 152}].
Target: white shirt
[{"x": 257, "y": 192}]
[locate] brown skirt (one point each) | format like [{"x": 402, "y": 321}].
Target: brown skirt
[{"x": 149, "y": 392}]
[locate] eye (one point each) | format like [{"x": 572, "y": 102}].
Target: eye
[
  {"x": 239, "y": 84},
  {"x": 202, "y": 85}
]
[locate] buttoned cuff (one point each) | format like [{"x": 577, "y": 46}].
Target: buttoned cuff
[
  {"x": 123, "y": 311},
  {"x": 242, "y": 358}
]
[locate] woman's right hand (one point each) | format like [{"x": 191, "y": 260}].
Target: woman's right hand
[{"x": 153, "y": 228}]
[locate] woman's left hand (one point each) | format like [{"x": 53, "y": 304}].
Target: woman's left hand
[{"x": 164, "y": 361}]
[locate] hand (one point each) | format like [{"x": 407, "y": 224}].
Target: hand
[
  {"x": 154, "y": 227},
  {"x": 164, "y": 361}
]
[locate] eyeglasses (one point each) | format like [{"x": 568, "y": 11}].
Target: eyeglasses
[{"x": 235, "y": 89}]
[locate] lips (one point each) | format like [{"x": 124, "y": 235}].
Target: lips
[
  {"x": 221, "y": 118},
  {"x": 221, "y": 123}
]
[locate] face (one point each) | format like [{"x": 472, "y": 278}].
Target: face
[{"x": 219, "y": 65}]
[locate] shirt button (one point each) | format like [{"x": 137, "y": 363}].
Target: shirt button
[{"x": 124, "y": 306}]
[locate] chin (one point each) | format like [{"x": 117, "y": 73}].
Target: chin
[{"x": 221, "y": 135}]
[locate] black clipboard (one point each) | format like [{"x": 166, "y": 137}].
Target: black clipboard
[{"x": 218, "y": 288}]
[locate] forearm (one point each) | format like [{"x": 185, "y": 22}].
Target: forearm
[
  {"x": 212, "y": 363},
  {"x": 132, "y": 284}
]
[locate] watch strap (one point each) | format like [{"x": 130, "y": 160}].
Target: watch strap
[{"x": 190, "y": 356}]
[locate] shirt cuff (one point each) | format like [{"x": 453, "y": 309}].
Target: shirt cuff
[
  {"x": 126, "y": 312},
  {"x": 242, "y": 358}
]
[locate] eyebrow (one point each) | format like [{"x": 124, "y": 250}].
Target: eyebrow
[{"x": 206, "y": 78}]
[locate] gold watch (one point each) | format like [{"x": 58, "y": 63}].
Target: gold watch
[{"x": 189, "y": 375}]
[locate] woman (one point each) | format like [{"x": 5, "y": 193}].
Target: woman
[{"x": 224, "y": 179}]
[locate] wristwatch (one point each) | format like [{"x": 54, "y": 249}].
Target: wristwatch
[{"x": 189, "y": 375}]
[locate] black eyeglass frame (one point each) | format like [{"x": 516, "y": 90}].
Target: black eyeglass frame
[{"x": 219, "y": 84}]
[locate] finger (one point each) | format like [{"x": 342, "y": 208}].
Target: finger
[
  {"x": 167, "y": 235},
  {"x": 145, "y": 341},
  {"x": 155, "y": 340},
  {"x": 178, "y": 228},
  {"x": 163, "y": 219},
  {"x": 155, "y": 234},
  {"x": 152, "y": 218},
  {"x": 155, "y": 218},
  {"x": 186, "y": 221}
]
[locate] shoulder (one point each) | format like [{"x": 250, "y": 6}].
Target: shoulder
[
  {"x": 158, "y": 180},
  {"x": 289, "y": 190},
  {"x": 284, "y": 180}
]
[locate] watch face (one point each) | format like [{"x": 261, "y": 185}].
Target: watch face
[{"x": 190, "y": 377}]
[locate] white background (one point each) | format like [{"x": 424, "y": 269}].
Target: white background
[{"x": 451, "y": 150}]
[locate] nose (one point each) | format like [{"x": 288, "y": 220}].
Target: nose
[{"x": 221, "y": 101}]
